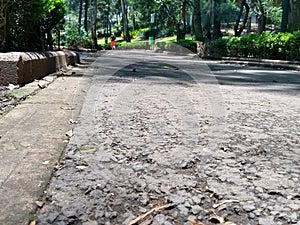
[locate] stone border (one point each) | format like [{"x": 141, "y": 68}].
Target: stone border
[{"x": 20, "y": 68}]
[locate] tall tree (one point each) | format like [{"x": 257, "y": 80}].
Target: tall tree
[
  {"x": 237, "y": 28},
  {"x": 55, "y": 11},
  {"x": 5, "y": 4},
  {"x": 285, "y": 15},
  {"x": 24, "y": 25},
  {"x": 197, "y": 20},
  {"x": 294, "y": 15},
  {"x": 125, "y": 21},
  {"x": 94, "y": 27},
  {"x": 216, "y": 20},
  {"x": 86, "y": 10},
  {"x": 173, "y": 11},
  {"x": 80, "y": 15},
  {"x": 259, "y": 8}
]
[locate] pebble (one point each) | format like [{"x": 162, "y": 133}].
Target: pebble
[
  {"x": 90, "y": 223},
  {"x": 183, "y": 210},
  {"x": 176, "y": 199},
  {"x": 196, "y": 209},
  {"x": 294, "y": 218},
  {"x": 168, "y": 223},
  {"x": 266, "y": 220},
  {"x": 192, "y": 218},
  {"x": 187, "y": 204},
  {"x": 160, "y": 219},
  {"x": 52, "y": 216},
  {"x": 249, "y": 207},
  {"x": 196, "y": 199}
]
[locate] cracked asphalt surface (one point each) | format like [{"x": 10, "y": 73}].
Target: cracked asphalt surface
[{"x": 210, "y": 143}]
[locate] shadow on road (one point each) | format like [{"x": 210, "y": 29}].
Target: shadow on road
[
  {"x": 155, "y": 71},
  {"x": 263, "y": 78}
]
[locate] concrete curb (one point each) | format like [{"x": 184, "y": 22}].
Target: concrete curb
[
  {"x": 20, "y": 68},
  {"x": 280, "y": 64}
]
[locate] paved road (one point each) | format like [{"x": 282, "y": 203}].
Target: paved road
[{"x": 204, "y": 141}]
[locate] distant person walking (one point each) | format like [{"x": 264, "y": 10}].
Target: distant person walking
[{"x": 112, "y": 41}]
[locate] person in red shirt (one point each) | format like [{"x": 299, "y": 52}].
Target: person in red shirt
[{"x": 113, "y": 41}]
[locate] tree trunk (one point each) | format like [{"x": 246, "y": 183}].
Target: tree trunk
[
  {"x": 217, "y": 28},
  {"x": 180, "y": 33},
  {"x": 58, "y": 37},
  {"x": 125, "y": 21},
  {"x": 80, "y": 15},
  {"x": 238, "y": 30},
  {"x": 94, "y": 27},
  {"x": 285, "y": 15},
  {"x": 197, "y": 21},
  {"x": 183, "y": 9},
  {"x": 3, "y": 23},
  {"x": 262, "y": 20},
  {"x": 49, "y": 41},
  {"x": 86, "y": 10},
  {"x": 294, "y": 15}
]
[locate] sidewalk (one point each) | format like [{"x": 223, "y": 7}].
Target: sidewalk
[{"x": 32, "y": 140}]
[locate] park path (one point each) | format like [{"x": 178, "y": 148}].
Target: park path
[{"x": 169, "y": 139}]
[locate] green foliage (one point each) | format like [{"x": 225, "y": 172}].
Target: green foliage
[
  {"x": 267, "y": 45},
  {"x": 134, "y": 34},
  {"x": 24, "y": 25},
  {"x": 191, "y": 45},
  {"x": 74, "y": 39},
  {"x": 180, "y": 46},
  {"x": 142, "y": 34},
  {"x": 27, "y": 23},
  {"x": 219, "y": 46},
  {"x": 55, "y": 11},
  {"x": 133, "y": 45}
]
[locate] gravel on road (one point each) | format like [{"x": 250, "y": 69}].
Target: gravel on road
[{"x": 165, "y": 139}]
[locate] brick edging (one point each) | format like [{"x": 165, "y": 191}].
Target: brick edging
[{"x": 20, "y": 68}]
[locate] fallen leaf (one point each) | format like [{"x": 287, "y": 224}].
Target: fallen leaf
[
  {"x": 88, "y": 150},
  {"x": 42, "y": 84},
  {"x": 39, "y": 203},
  {"x": 147, "y": 218},
  {"x": 67, "y": 107},
  {"x": 224, "y": 202},
  {"x": 69, "y": 133},
  {"x": 32, "y": 223},
  {"x": 46, "y": 162},
  {"x": 73, "y": 121}
]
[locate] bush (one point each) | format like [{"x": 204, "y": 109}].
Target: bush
[
  {"x": 189, "y": 45},
  {"x": 134, "y": 34},
  {"x": 74, "y": 39},
  {"x": 133, "y": 45},
  {"x": 265, "y": 45}
]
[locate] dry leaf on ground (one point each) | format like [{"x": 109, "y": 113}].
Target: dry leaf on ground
[
  {"x": 146, "y": 218},
  {"x": 225, "y": 202},
  {"x": 88, "y": 149}
]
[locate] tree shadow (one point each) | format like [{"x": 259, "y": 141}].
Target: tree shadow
[
  {"x": 156, "y": 71},
  {"x": 265, "y": 79}
]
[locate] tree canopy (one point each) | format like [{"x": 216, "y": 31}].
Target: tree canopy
[{"x": 38, "y": 25}]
